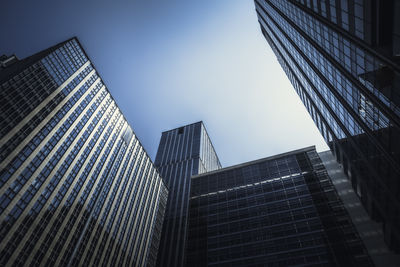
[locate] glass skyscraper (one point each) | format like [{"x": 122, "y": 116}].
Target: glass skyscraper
[
  {"x": 76, "y": 185},
  {"x": 277, "y": 211},
  {"x": 182, "y": 152},
  {"x": 370, "y": 231},
  {"x": 342, "y": 58}
]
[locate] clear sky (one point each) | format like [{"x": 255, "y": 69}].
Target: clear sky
[{"x": 171, "y": 63}]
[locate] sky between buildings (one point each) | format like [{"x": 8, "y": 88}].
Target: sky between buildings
[{"x": 171, "y": 63}]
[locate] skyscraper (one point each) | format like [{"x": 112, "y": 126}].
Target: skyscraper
[
  {"x": 182, "y": 152},
  {"x": 281, "y": 211},
  {"x": 370, "y": 231},
  {"x": 342, "y": 58},
  {"x": 76, "y": 187}
]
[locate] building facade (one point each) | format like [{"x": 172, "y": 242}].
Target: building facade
[
  {"x": 370, "y": 231},
  {"x": 182, "y": 152},
  {"x": 342, "y": 58},
  {"x": 76, "y": 187},
  {"x": 277, "y": 211}
]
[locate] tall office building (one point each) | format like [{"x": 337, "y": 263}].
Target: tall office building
[
  {"x": 370, "y": 231},
  {"x": 182, "y": 152},
  {"x": 342, "y": 58},
  {"x": 277, "y": 211},
  {"x": 76, "y": 187}
]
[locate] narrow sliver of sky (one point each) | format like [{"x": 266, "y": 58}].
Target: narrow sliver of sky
[{"x": 171, "y": 63}]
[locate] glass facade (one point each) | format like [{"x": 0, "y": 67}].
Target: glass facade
[
  {"x": 76, "y": 186},
  {"x": 370, "y": 231},
  {"x": 340, "y": 56},
  {"x": 182, "y": 152},
  {"x": 278, "y": 211}
]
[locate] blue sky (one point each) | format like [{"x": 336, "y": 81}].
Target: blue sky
[{"x": 171, "y": 63}]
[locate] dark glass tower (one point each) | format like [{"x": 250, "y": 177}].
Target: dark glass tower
[
  {"x": 76, "y": 186},
  {"x": 182, "y": 152},
  {"x": 370, "y": 231},
  {"x": 277, "y": 211},
  {"x": 342, "y": 58}
]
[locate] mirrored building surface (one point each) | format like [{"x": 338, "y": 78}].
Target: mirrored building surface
[
  {"x": 342, "y": 58},
  {"x": 76, "y": 185},
  {"x": 277, "y": 211},
  {"x": 182, "y": 152},
  {"x": 370, "y": 231}
]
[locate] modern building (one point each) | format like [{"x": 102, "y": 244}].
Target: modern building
[
  {"x": 343, "y": 59},
  {"x": 182, "y": 152},
  {"x": 76, "y": 187},
  {"x": 277, "y": 211},
  {"x": 370, "y": 231}
]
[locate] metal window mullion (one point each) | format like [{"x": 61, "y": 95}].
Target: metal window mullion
[
  {"x": 103, "y": 203},
  {"x": 37, "y": 129},
  {"x": 349, "y": 36},
  {"x": 346, "y": 105},
  {"x": 114, "y": 184},
  {"x": 156, "y": 202},
  {"x": 62, "y": 202},
  {"x": 177, "y": 218},
  {"x": 22, "y": 167},
  {"x": 171, "y": 207},
  {"x": 184, "y": 213},
  {"x": 46, "y": 101},
  {"x": 119, "y": 132},
  {"x": 382, "y": 107},
  {"x": 125, "y": 212},
  {"x": 137, "y": 201},
  {"x": 133, "y": 147},
  {"x": 350, "y": 138},
  {"x": 118, "y": 116},
  {"x": 144, "y": 220},
  {"x": 130, "y": 216},
  {"x": 54, "y": 192}
]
